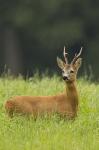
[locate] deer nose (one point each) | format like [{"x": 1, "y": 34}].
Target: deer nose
[{"x": 65, "y": 78}]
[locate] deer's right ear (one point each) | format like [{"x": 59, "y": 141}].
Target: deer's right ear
[
  {"x": 78, "y": 63},
  {"x": 60, "y": 63}
]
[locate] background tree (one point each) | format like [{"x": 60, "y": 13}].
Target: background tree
[{"x": 32, "y": 33}]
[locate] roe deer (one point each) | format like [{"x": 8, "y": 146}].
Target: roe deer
[{"x": 66, "y": 104}]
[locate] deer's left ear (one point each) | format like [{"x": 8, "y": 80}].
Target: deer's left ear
[
  {"x": 78, "y": 63},
  {"x": 60, "y": 63}
]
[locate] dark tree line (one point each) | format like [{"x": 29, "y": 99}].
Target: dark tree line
[{"x": 33, "y": 33}]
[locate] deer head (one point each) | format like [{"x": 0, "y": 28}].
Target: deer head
[{"x": 69, "y": 71}]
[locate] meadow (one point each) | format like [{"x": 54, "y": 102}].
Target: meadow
[{"x": 54, "y": 133}]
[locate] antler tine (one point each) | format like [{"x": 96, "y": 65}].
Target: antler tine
[
  {"x": 77, "y": 55},
  {"x": 64, "y": 53}
]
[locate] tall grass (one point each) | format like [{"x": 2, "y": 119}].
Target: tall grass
[{"x": 21, "y": 133}]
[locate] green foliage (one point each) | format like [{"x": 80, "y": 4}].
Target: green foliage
[
  {"x": 49, "y": 133},
  {"x": 40, "y": 28}
]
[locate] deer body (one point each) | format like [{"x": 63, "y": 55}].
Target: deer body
[{"x": 66, "y": 104}]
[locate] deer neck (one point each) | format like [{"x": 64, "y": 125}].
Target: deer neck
[{"x": 72, "y": 94}]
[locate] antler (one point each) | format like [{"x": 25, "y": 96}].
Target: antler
[
  {"x": 77, "y": 56},
  {"x": 64, "y": 54}
]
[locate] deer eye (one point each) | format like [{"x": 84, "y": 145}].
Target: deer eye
[
  {"x": 62, "y": 71},
  {"x": 71, "y": 71}
]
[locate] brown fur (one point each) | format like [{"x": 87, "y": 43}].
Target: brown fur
[{"x": 66, "y": 104}]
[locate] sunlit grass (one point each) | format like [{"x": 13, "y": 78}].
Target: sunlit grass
[{"x": 21, "y": 133}]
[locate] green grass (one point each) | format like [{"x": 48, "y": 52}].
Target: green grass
[{"x": 21, "y": 133}]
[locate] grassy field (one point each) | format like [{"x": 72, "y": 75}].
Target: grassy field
[{"x": 21, "y": 133}]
